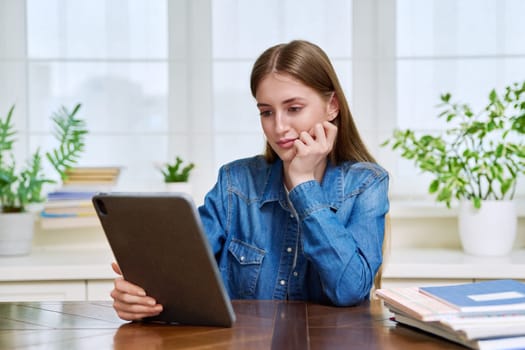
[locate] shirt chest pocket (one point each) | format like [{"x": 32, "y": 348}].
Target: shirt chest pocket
[{"x": 244, "y": 267}]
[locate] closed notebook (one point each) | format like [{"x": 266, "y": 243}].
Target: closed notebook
[
  {"x": 491, "y": 343},
  {"x": 498, "y": 296}
]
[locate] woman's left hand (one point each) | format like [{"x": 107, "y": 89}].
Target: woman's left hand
[{"x": 312, "y": 148}]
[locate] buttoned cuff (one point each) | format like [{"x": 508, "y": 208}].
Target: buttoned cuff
[{"x": 307, "y": 198}]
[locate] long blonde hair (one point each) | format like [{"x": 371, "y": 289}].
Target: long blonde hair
[{"x": 308, "y": 63}]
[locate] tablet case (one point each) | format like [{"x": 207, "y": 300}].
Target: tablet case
[{"x": 160, "y": 245}]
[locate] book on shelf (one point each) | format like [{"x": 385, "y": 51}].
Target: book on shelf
[
  {"x": 481, "y": 328},
  {"x": 100, "y": 178},
  {"x": 79, "y": 182},
  {"x": 61, "y": 194},
  {"x": 498, "y": 296},
  {"x": 69, "y": 222},
  {"x": 66, "y": 214},
  {"x": 104, "y": 173},
  {"x": 71, "y": 206},
  {"x": 58, "y": 204}
]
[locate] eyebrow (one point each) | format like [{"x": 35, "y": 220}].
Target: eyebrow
[{"x": 284, "y": 102}]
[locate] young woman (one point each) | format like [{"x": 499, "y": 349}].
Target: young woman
[{"x": 306, "y": 220}]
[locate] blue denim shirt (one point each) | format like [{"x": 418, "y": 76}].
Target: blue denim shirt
[{"x": 329, "y": 253}]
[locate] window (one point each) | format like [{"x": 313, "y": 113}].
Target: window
[
  {"x": 161, "y": 78},
  {"x": 112, "y": 57},
  {"x": 463, "y": 47},
  {"x": 242, "y": 30}
]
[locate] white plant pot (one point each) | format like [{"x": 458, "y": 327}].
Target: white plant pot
[
  {"x": 184, "y": 187},
  {"x": 490, "y": 230},
  {"x": 16, "y": 233}
]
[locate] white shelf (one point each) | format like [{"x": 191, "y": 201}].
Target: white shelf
[
  {"x": 66, "y": 264},
  {"x": 45, "y": 264},
  {"x": 452, "y": 264},
  {"x": 415, "y": 209},
  {"x": 69, "y": 223}
]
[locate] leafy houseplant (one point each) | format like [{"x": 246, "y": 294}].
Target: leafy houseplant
[
  {"x": 176, "y": 172},
  {"x": 18, "y": 188},
  {"x": 479, "y": 156}
]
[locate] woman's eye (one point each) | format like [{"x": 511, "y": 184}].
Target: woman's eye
[
  {"x": 265, "y": 113},
  {"x": 294, "y": 109}
]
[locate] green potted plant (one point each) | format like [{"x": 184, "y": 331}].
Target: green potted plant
[
  {"x": 22, "y": 186},
  {"x": 176, "y": 175},
  {"x": 476, "y": 160}
]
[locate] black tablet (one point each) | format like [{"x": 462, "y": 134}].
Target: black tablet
[{"x": 159, "y": 244}]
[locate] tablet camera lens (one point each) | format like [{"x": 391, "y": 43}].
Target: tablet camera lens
[{"x": 101, "y": 207}]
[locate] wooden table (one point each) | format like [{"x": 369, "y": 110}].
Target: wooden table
[{"x": 260, "y": 325}]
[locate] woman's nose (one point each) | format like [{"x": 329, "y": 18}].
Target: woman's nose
[{"x": 281, "y": 124}]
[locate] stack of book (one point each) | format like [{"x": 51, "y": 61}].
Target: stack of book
[
  {"x": 66, "y": 209},
  {"x": 71, "y": 206},
  {"x": 482, "y": 315},
  {"x": 98, "y": 178}
]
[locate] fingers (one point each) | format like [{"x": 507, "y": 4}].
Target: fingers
[
  {"x": 130, "y": 301},
  {"x": 319, "y": 134},
  {"x": 320, "y": 138},
  {"x": 116, "y": 268},
  {"x": 312, "y": 148},
  {"x": 127, "y": 287},
  {"x": 303, "y": 140},
  {"x": 135, "y": 309},
  {"x": 325, "y": 133},
  {"x": 124, "y": 286},
  {"x": 137, "y": 312},
  {"x": 330, "y": 131}
]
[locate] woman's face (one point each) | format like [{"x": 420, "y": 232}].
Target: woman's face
[{"x": 288, "y": 107}]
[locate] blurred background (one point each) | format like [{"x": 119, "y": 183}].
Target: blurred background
[{"x": 159, "y": 79}]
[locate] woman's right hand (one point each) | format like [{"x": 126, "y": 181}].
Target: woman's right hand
[{"x": 130, "y": 301}]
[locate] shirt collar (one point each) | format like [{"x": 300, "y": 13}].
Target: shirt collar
[{"x": 274, "y": 189}]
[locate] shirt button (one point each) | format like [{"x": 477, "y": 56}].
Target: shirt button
[
  {"x": 291, "y": 215},
  {"x": 242, "y": 258},
  {"x": 289, "y": 249},
  {"x": 282, "y": 282},
  {"x": 295, "y": 273}
]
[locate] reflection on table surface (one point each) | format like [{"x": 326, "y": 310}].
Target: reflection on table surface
[{"x": 259, "y": 325}]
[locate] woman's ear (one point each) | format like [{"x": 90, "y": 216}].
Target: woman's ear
[{"x": 333, "y": 107}]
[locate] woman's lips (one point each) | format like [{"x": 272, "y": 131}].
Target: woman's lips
[{"x": 286, "y": 143}]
